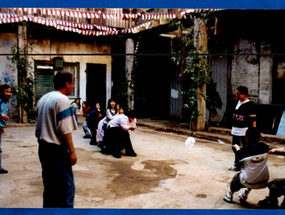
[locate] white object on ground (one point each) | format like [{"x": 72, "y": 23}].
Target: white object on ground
[
  {"x": 189, "y": 142},
  {"x": 220, "y": 141}
]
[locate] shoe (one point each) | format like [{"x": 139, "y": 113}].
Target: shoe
[
  {"x": 133, "y": 154},
  {"x": 87, "y": 136},
  {"x": 242, "y": 197},
  {"x": 235, "y": 168},
  {"x": 100, "y": 144},
  {"x": 3, "y": 171},
  {"x": 267, "y": 203},
  {"x": 117, "y": 155},
  {"x": 228, "y": 199},
  {"x": 93, "y": 143},
  {"x": 104, "y": 150}
]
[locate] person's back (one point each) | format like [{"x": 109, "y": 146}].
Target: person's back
[
  {"x": 255, "y": 172},
  {"x": 47, "y": 127},
  {"x": 276, "y": 188},
  {"x": 117, "y": 136}
]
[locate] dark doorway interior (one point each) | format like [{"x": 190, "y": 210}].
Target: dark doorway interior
[
  {"x": 152, "y": 77},
  {"x": 278, "y": 90},
  {"x": 96, "y": 84}
]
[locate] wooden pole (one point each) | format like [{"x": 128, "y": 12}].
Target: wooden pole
[
  {"x": 22, "y": 48},
  {"x": 203, "y": 45}
]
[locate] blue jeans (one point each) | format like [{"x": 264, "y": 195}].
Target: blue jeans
[
  {"x": 59, "y": 188},
  {"x": 85, "y": 128}
]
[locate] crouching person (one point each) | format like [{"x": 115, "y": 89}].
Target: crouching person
[
  {"x": 254, "y": 174},
  {"x": 276, "y": 188},
  {"x": 117, "y": 137}
]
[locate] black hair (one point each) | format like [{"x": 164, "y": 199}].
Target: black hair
[
  {"x": 243, "y": 90},
  {"x": 75, "y": 102},
  {"x": 109, "y": 105},
  {"x": 60, "y": 79},
  {"x": 253, "y": 135},
  {"x": 2, "y": 88},
  {"x": 131, "y": 114}
]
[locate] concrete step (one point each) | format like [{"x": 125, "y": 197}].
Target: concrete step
[
  {"x": 216, "y": 137},
  {"x": 219, "y": 130},
  {"x": 217, "y": 134}
]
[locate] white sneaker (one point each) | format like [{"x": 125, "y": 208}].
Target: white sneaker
[
  {"x": 242, "y": 197},
  {"x": 227, "y": 198}
]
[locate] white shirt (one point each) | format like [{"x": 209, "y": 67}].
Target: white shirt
[
  {"x": 55, "y": 117},
  {"x": 255, "y": 174},
  {"x": 239, "y": 131},
  {"x": 122, "y": 121},
  {"x": 110, "y": 114}
]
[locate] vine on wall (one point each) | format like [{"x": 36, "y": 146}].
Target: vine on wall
[
  {"x": 195, "y": 67},
  {"x": 24, "y": 89}
]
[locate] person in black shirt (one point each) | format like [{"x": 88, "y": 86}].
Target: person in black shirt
[{"x": 244, "y": 116}]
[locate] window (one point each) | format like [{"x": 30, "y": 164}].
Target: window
[
  {"x": 73, "y": 68},
  {"x": 45, "y": 72}
]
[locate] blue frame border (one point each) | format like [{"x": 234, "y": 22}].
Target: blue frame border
[{"x": 220, "y": 4}]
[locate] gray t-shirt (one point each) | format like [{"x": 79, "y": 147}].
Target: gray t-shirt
[{"x": 55, "y": 117}]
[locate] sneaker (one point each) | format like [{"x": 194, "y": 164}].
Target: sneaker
[
  {"x": 227, "y": 198},
  {"x": 133, "y": 154},
  {"x": 104, "y": 150},
  {"x": 242, "y": 197},
  {"x": 117, "y": 155},
  {"x": 93, "y": 143},
  {"x": 235, "y": 168},
  {"x": 3, "y": 171},
  {"x": 87, "y": 136}
]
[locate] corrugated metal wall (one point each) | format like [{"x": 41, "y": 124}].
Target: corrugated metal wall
[
  {"x": 176, "y": 97},
  {"x": 218, "y": 64}
]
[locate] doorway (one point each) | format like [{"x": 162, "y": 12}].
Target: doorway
[
  {"x": 278, "y": 89},
  {"x": 96, "y": 84}
]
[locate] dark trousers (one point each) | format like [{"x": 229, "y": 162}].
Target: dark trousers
[
  {"x": 277, "y": 189},
  {"x": 235, "y": 183},
  {"x": 59, "y": 188},
  {"x": 93, "y": 136},
  {"x": 116, "y": 139},
  {"x": 239, "y": 140}
]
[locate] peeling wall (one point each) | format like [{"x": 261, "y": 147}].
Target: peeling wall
[
  {"x": 245, "y": 68},
  {"x": 45, "y": 46},
  {"x": 8, "y": 74}
]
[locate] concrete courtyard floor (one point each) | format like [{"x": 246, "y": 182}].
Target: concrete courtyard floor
[{"x": 164, "y": 175}]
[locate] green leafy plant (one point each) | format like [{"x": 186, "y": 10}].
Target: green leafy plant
[
  {"x": 24, "y": 89},
  {"x": 194, "y": 63}
]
